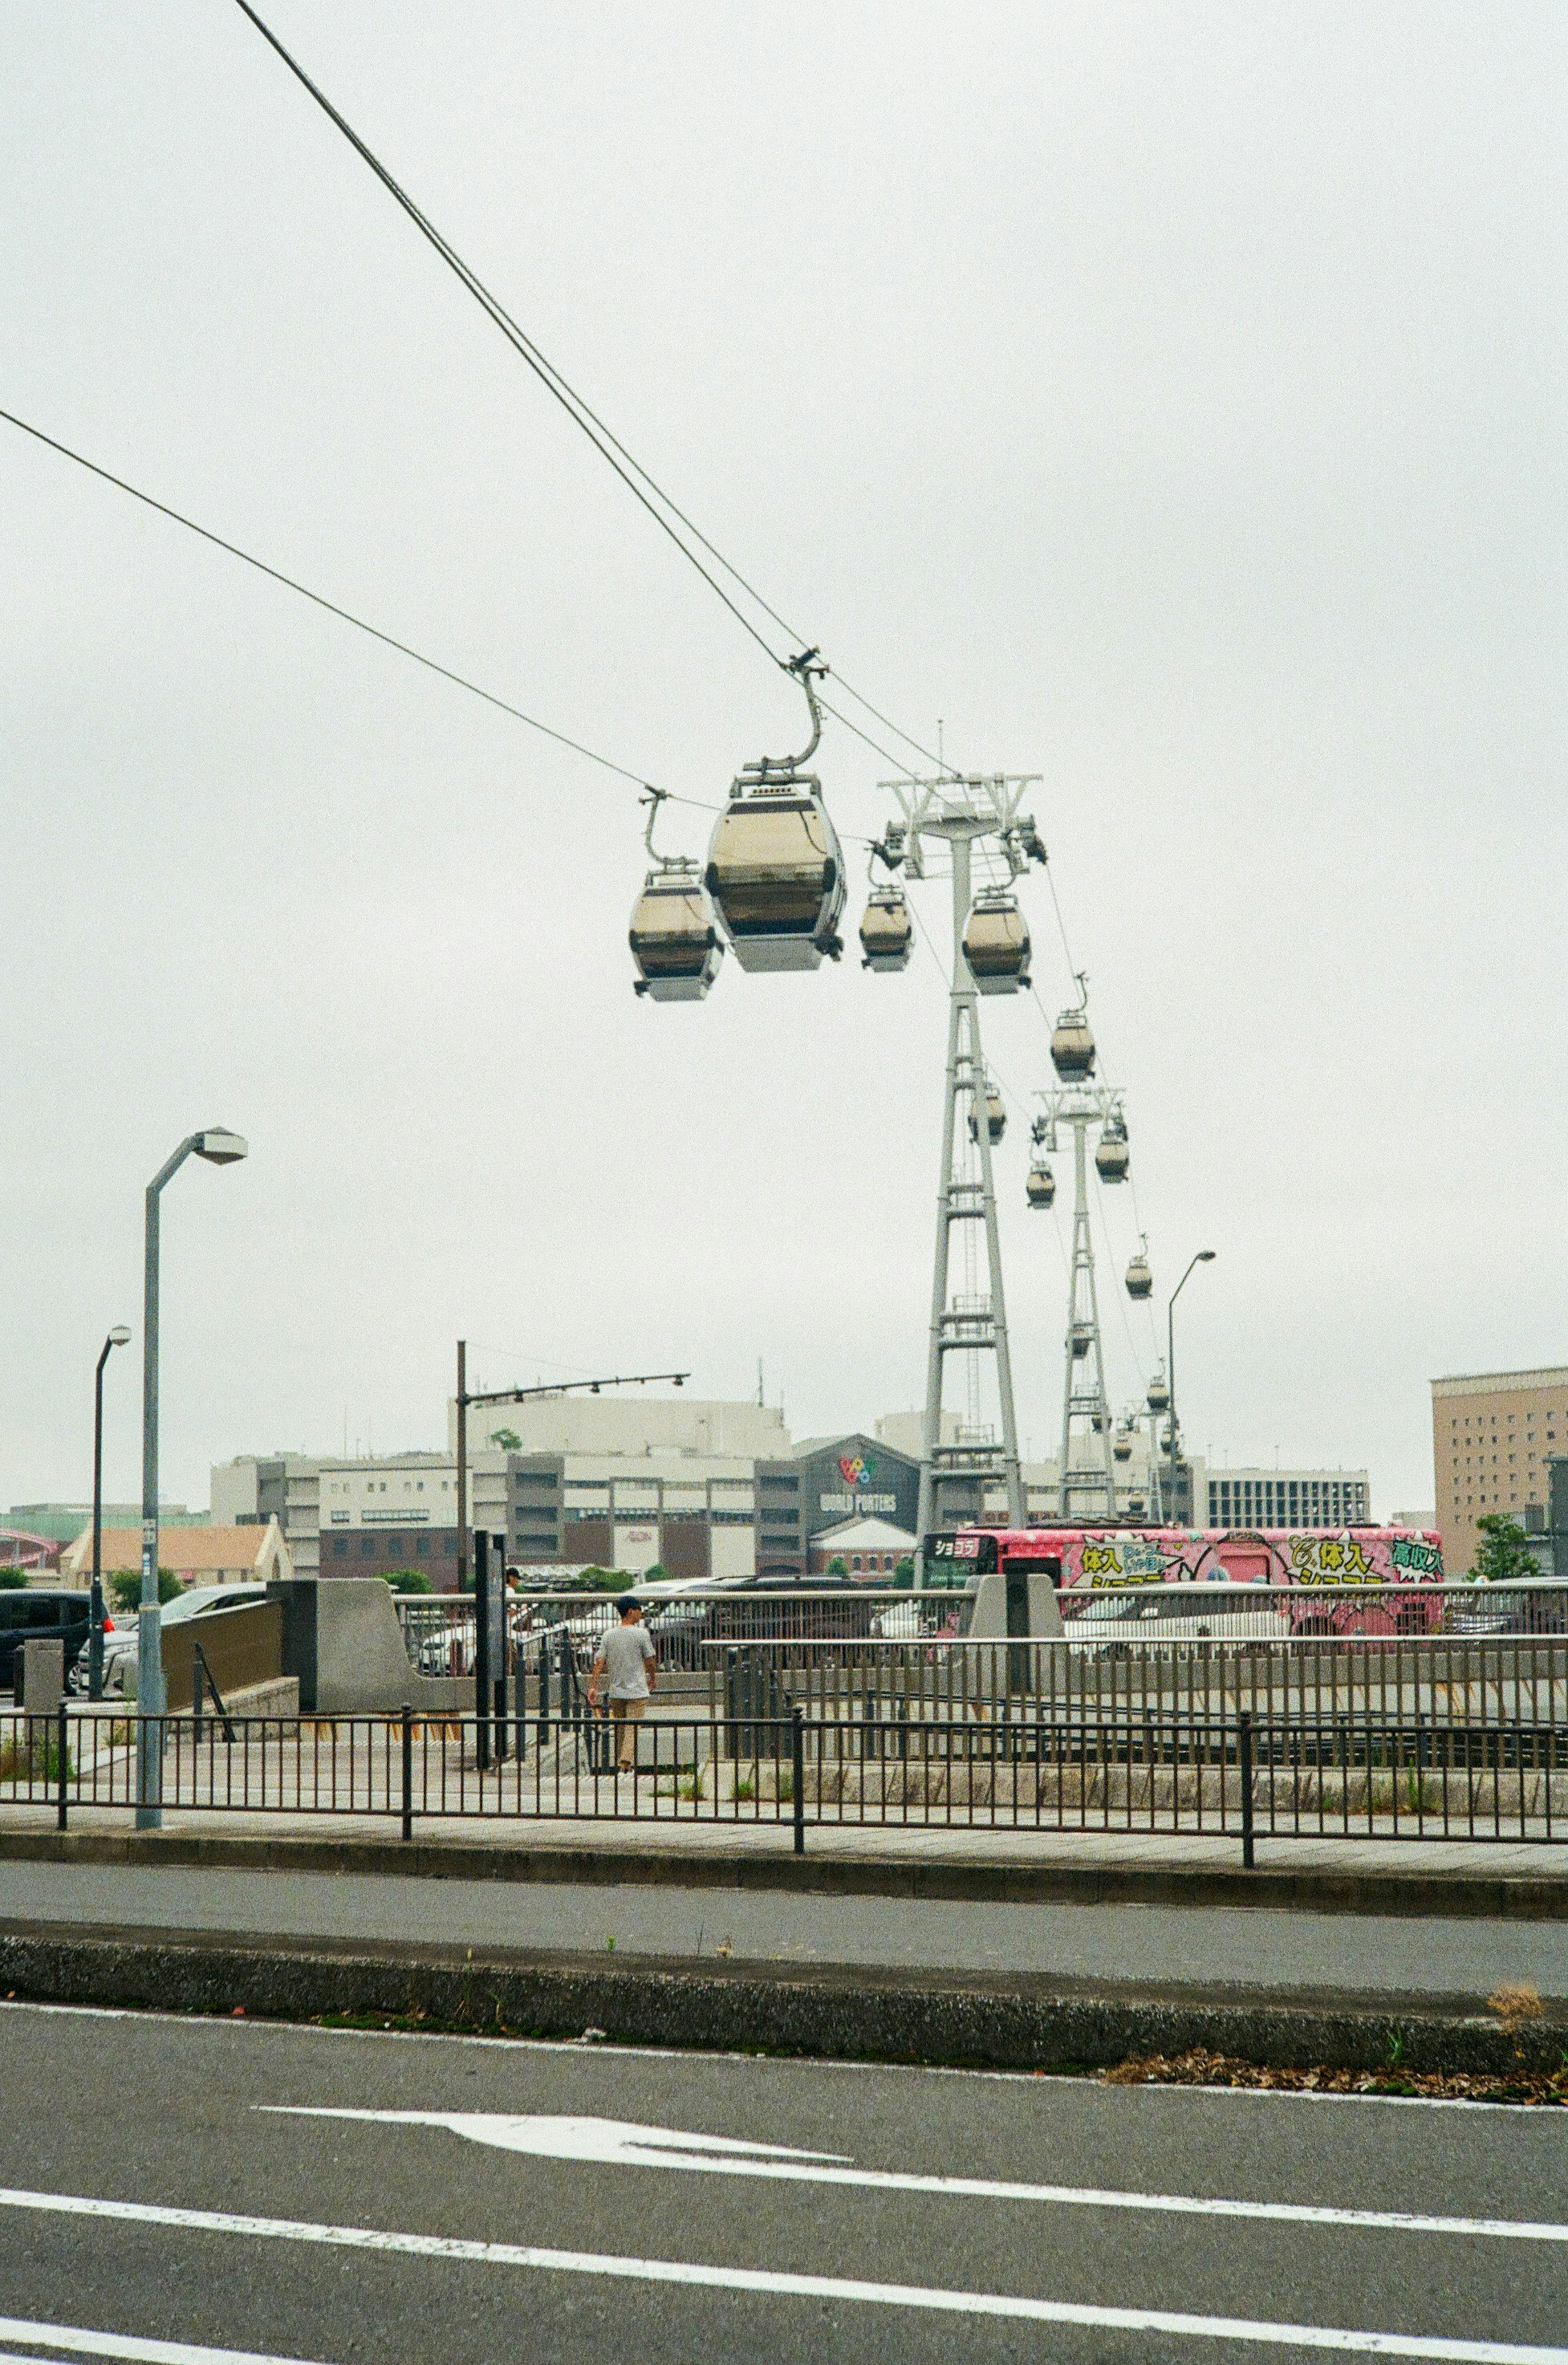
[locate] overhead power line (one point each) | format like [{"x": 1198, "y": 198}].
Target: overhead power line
[
  {"x": 347, "y": 615},
  {"x": 645, "y": 489}
]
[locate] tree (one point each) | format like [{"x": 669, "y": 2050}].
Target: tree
[
  {"x": 408, "y": 1580},
  {"x": 657, "y": 1574},
  {"x": 904, "y": 1573},
  {"x": 508, "y": 1440},
  {"x": 11, "y": 1576},
  {"x": 125, "y": 1589},
  {"x": 1503, "y": 1553},
  {"x": 839, "y": 1566}
]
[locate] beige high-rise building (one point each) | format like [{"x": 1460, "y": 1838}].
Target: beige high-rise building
[{"x": 1492, "y": 1434}]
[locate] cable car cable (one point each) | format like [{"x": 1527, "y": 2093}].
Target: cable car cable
[
  {"x": 604, "y": 439},
  {"x": 318, "y": 600},
  {"x": 542, "y": 368}
]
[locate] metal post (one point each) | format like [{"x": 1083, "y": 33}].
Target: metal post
[
  {"x": 462, "y": 1465},
  {"x": 1204, "y": 1256},
  {"x": 118, "y": 1336},
  {"x": 500, "y": 1654},
  {"x": 60, "y": 1765},
  {"x": 220, "y": 1148},
  {"x": 150, "y": 1691},
  {"x": 482, "y": 1645},
  {"x": 408, "y": 1773},
  {"x": 1244, "y": 1751},
  {"x": 798, "y": 1768}
]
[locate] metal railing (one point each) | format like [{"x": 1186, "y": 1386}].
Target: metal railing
[{"x": 764, "y": 1760}]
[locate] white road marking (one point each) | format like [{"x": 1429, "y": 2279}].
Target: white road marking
[
  {"x": 794, "y": 2063},
  {"x": 79, "y": 2342},
  {"x": 618, "y": 2142},
  {"x": 792, "y": 2286}
]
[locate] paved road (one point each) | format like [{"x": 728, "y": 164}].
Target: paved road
[
  {"x": 1252, "y": 1947},
  {"x": 590, "y": 2242}
]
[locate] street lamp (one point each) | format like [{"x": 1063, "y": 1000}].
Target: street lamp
[
  {"x": 118, "y": 1337},
  {"x": 1204, "y": 1256},
  {"x": 220, "y": 1148}
]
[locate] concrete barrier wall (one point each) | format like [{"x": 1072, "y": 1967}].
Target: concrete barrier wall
[
  {"x": 342, "y": 1642},
  {"x": 242, "y": 1647}
]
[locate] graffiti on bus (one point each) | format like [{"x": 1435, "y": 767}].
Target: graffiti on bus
[{"x": 1365, "y": 1580}]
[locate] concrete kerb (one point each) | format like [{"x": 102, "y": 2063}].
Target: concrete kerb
[
  {"x": 829, "y": 2012},
  {"x": 1467, "y": 1895}
]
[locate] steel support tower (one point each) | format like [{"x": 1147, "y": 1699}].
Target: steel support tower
[
  {"x": 954, "y": 1476},
  {"x": 1087, "y": 1485}
]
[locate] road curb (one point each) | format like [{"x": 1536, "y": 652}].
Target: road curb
[
  {"x": 1462, "y": 1895},
  {"x": 822, "y": 2009}
]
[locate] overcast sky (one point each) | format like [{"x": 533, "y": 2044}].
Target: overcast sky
[{"x": 1171, "y": 398}]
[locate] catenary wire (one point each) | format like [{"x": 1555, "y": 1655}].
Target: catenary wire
[
  {"x": 631, "y": 471},
  {"x": 347, "y": 615}
]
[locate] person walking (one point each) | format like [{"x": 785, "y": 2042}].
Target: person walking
[{"x": 629, "y": 1664}]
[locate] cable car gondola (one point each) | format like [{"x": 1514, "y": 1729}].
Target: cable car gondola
[
  {"x": 674, "y": 941},
  {"x": 1079, "y": 1338},
  {"x": 1122, "y": 1446},
  {"x": 995, "y": 1117},
  {"x": 774, "y": 866},
  {"x": 1072, "y": 1047},
  {"x": 1041, "y": 1185},
  {"x": 1140, "y": 1281},
  {"x": 1110, "y": 1155},
  {"x": 996, "y": 942},
  {"x": 887, "y": 932},
  {"x": 1159, "y": 1394}
]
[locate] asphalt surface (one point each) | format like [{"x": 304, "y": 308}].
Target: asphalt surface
[
  {"x": 1253, "y": 1947},
  {"x": 615, "y": 2258}
]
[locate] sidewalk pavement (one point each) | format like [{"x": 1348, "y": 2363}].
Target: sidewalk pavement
[{"x": 907, "y": 1853}]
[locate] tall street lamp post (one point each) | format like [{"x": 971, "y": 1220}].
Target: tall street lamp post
[
  {"x": 118, "y": 1337},
  {"x": 220, "y": 1148},
  {"x": 1204, "y": 1256}
]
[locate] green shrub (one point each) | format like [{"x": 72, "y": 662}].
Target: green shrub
[
  {"x": 11, "y": 1576},
  {"x": 408, "y": 1580},
  {"x": 37, "y": 1762},
  {"x": 904, "y": 1573},
  {"x": 839, "y": 1566},
  {"x": 1503, "y": 1553},
  {"x": 124, "y": 1588}
]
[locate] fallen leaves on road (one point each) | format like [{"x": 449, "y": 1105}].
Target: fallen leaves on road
[{"x": 1201, "y": 2069}]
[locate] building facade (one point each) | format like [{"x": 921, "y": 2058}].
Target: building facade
[
  {"x": 1492, "y": 1436},
  {"x": 1285, "y": 1499}
]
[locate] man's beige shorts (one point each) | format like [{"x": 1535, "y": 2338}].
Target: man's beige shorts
[{"x": 624, "y": 1711}]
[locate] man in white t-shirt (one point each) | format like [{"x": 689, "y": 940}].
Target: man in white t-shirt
[{"x": 629, "y": 1664}]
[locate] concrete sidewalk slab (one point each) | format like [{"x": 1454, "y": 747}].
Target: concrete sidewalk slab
[{"x": 1494, "y": 1880}]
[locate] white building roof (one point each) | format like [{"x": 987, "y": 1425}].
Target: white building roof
[{"x": 863, "y": 1535}]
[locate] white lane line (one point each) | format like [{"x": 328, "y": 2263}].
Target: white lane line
[
  {"x": 619, "y": 2144},
  {"x": 80, "y": 2342},
  {"x": 794, "y": 2286}
]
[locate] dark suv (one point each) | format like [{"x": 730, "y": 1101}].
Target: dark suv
[{"x": 35, "y": 1613}]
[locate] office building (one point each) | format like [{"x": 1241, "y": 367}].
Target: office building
[
  {"x": 1492, "y": 1436},
  {"x": 1285, "y": 1499}
]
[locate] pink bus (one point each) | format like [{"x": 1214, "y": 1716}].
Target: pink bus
[{"x": 1339, "y": 1580}]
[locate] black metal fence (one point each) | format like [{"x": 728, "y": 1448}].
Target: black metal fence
[{"x": 764, "y": 1761}]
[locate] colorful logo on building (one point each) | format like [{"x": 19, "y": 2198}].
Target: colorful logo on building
[{"x": 857, "y": 1471}]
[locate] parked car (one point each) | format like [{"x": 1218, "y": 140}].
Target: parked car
[
  {"x": 38, "y": 1613},
  {"x": 120, "y": 1642}
]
